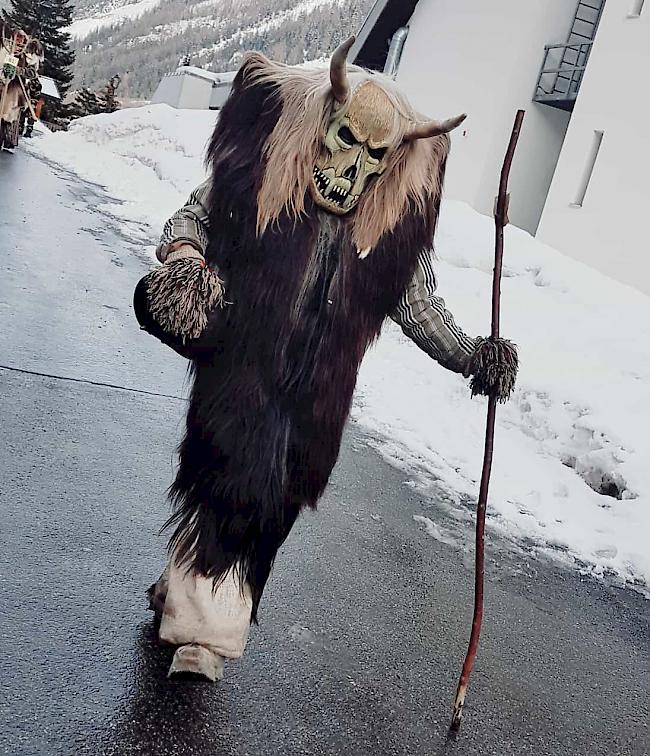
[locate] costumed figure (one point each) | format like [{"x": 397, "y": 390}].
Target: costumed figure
[
  {"x": 316, "y": 225},
  {"x": 33, "y": 86},
  {"x": 20, "y": 59}
]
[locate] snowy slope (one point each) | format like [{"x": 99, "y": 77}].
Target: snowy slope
[
  {"x": 204, "y": 17},
  {"x": 146, "y": 38},
  {"x": 571, "y": 476},
  {"x": 111, "y": 13}
]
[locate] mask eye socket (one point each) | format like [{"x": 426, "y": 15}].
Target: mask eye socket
[
  {"x": 346, "y": 136},
  {"x": 377, "y": 153}
]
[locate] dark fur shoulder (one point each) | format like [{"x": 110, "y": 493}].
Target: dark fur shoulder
[{"x": 235, "y": 152}]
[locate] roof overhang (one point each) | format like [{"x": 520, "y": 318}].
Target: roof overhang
[
  {"x": 385, "y": 18},
  {"x": 227, "y": 77}
]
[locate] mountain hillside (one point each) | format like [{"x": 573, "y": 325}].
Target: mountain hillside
[
  {"x": 91, "y": 15},
  {"x": 144, "y": 39}
]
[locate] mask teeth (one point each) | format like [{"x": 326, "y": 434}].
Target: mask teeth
[
  {"x": 322, "y": 182},
  {"x": 338, "y": 195}
]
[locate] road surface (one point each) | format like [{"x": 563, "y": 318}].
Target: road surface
[{"x": 364, "y": 623}]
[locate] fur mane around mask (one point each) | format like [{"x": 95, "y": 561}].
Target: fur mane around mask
[{"x": 290, "y": 150}]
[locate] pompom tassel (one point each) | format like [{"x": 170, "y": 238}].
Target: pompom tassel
[
  {"x": 493, "y": 368},
  {"x": 181, "y": 295}
]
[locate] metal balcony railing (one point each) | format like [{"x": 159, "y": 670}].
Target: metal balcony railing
[
  {"x": 564, "y": 64},
  {"x": 561, "y": 73}
]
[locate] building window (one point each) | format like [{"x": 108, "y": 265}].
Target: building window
[
  {"x": 637, "y": 7},
  {"x": 589, "y": 168}
]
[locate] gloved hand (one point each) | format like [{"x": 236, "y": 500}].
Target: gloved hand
[
  {"x": 174, "y": 301},
  {"x": 493, "y": 367}
]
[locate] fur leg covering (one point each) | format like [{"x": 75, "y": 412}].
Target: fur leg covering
[
  {"x": 181, "y": 295},
  {"x": 493, "y": 368}
]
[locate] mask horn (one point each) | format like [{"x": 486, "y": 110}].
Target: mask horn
[
  {"x": 339, "y": 72},
  {"x": 434, "y": 128}
]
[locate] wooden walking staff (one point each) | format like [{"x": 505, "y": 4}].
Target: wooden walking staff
[{"x": 496, "y": 352}]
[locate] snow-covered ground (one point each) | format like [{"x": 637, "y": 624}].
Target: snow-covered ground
[
  {"x": 571, "y": 476},
  {"x": 111, "y": 14}
]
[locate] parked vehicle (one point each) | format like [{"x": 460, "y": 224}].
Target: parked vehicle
[{"x": 20, "y": 59}]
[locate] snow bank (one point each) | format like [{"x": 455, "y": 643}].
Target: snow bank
[
  {"x": 571, "y": 463},
  {"x": 571, "y": 473},
  {"x": 149, "y": 159}
]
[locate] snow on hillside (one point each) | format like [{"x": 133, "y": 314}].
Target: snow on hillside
[
  {"x": 111, "y": 13},
  {"x": 241, "y": 36},
  {"x": 214, "y": 33},
  {"x": 570, "y": 476}
]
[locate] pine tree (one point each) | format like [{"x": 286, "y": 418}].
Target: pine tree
[
  {"x": 46, "y": 20},
  {"x": 107, "y": 98},
  {"x": 86, "y": 103}
]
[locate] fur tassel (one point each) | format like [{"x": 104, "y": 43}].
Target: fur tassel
[
  {"x": 181, "y": 295},
  {"x": 493, "y": 368}
]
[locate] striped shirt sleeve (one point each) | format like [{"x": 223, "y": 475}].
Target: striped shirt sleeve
[
  {"x": 189, "y": 224},
  {"x": 421, "y": 314},
  {"x": 424, "y": 318}
]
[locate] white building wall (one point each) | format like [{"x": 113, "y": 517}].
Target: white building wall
[
  {"x": 483, "y": 58},
  {"x": 168, "y": 91},
  {"x": 220, "y": 94},
  {"x": 184, "y": 90},
  {"x": 195, "y": 94},
  {"x": 610, "y": 230}
]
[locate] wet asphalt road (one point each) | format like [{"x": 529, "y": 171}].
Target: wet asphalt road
[{"x": 364, "y": 623}]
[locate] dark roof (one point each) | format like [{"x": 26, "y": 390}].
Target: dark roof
[{"x": 373, "y": 41}]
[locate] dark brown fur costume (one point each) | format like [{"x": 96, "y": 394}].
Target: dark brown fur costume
[{"x": 271, "y": 399}]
